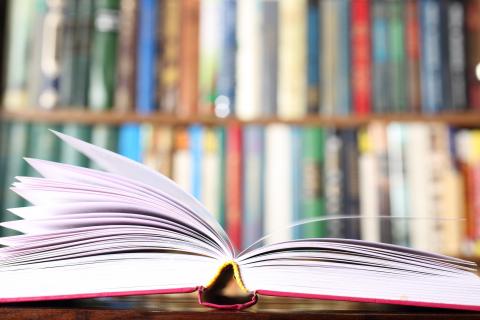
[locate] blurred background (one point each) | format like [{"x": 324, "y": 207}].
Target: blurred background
[{"x": 268, "y": 112}]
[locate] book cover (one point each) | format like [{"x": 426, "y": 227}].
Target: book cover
[
  {"x": 18, "y": 55},
  {"x": 189, "y": 55},
  {"x": 432, "y": 91},
  {"x": 472, "y": 27},
  {"x": 397, "y": 65},
  {"x": 253, "y": 180},
  {"x": 313, "y": 56},
  {"x": 313, "y": 182},
  {"x": 412, "y": 51},
  {"x": 210, "y": 37},
  {"x": 226, "y": 82},
  {"x": 234, "y": 182},
  {"x": 125, "y": 89},
  {"x": 269, "y": 57},
  {"x": 361, "y": 76},
  {"x": 380, "y": 55},
  {"x": 248, "y": 60},
  {"x": 169, "y": 56}
]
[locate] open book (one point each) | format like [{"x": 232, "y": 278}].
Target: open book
[{"x": 130, "y": 230}]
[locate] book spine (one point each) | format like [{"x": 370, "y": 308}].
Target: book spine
[
  {"x": 211, "y": 171},
  {"x": 68, "y": 46},
  {"x": 361, "y": 57},
  {"x": 42, "y": 144},
  {"x": 196, "y": 134},
  {"x": 147, "y": 53},
  {"x": 278, "y": 182},
  {"x": 269, "y": 57},
  {"x": 329, "y": 58},
  {"x": 222, "y": 153},
  {"x": 130, "y": 142},
  {"x": 103, "y": 55},
  {"x": 313, "y": 56},
  {"x": 431, "y": 56},
  {"x": 210, "y": 38},
  {"x": 333, "y": 184},
  {"x": 253, "y": 168},
  {"x": 397, "y": 180},
  {"x": 67, "y": 153},
  {"x": 3, "y": 43},
  {"x": 412, "y": 44},
  {"x": 313, "y": 197},
  {"x": 292, "y": 86},
  {"x": 343, "y": 89},
  {"x": 381, "y": 86},
  {"x": 248, "y": 60},
  {"x": 473, "y": 53},
  {"x": 350, "y": 182},
  {"x": 105, "y": 136},
  {"x": 125, "y": 90},
  {"x": 189, "y": 47},
  {"x": 225, "y": 86},
  {"x": 19, "y": 26},
  {"x": 396, "y": 26},
  {"x": 182, "y": 160},
  {"x": 297, "y": 177},
  {"x": 158, "y": 148},
  {"x": 456, "y": 49},
  {"x": 234, "y": 183}
]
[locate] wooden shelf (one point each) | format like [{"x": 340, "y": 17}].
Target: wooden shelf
[{"x": 469, "y": 119}]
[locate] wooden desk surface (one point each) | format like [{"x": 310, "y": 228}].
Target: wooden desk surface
[{"x": 185, "y": 307}]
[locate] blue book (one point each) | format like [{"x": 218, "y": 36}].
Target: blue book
[
  {"x": 147, "y": 52},
  {"x": 313, "y": 57},
  {"x": 432, "y": 92},
  {"x": 381, "y": 90},
  {"x": 343, "y": 79},
  {"x": 195, "y": 134},
  {"x": 296, "y": 154},
  {"x": 253, "y": 168},
  {"x": 225, "y": 101},
  {"x": 130, "y": 142}
]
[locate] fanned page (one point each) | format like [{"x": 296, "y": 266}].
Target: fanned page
[{"x": 130, "y": 230}]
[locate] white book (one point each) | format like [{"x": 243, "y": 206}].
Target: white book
[
  {"x": 211, "y": 174},
  {"x": 129, "y": 230},
  {"x": 278, "y": 182}
]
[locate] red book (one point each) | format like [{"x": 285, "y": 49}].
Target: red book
[
  {"x": 361, "y": 57},
  {"x": 234, "y": 185},
  {"x": 473, "y": 53},
  {"x": 413, "y": 55}
]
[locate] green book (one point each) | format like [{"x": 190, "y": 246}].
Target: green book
[
  {"x": 103, "y": 55},
  {"x": 398, "y": 67},
  {"x": 14, "y": 166},
  {"x": 313, "y": 198},
  {"x": 67, "y": 153},
  {"x": 221, "y": 135},
  {"x": 4, "y": 138},
  {"x": 42, "y": 144}
]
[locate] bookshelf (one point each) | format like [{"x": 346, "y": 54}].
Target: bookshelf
[{"x": 71, "y": 115}]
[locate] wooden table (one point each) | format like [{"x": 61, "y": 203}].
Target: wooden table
[{"x": 185, "y": 307}]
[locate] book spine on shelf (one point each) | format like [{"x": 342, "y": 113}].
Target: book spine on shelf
[
  {"x": 472, "y": 19},
  {"x": 412, "y": 44},
  {"x": 253, "y": 179},
  {"x": 248, "y": 60},
  {"x": 368, "y": 175},
  {"x": 148, "y": 21},
  {"x": 189, "y": 46},
  {"x": 168, "y": 67},
  {"x": 313, "y": 56},
  {"x": 278, "y": 182},
  {"x": 396, "y": 146},
  {"x": 456, "y": 49},
  {"x": 445, "y": 57},
  {"x": 234, "y": 185},
  {"x": 4, "y": 148},
  {"x": 222, "y": 153},
  {"x": 182, "y": 159},
  {"x": 67, "y": 153},
  {"x": 297, "y": 177},
  {"x": 329, "y": 59},
  {"x": 195, "y": 137},
  {"x": 158, "y": 147},
  {"x": 3, "y": 42},
  {"x": 18, "y": 54},
  {"x": 312, "y": 188},
  {"x": 125, "y": 91},
  {"x": 211, "y": 171},
  {"x": 225, "y": 84},
  {"x": 42, "y": 144},
  {"x": 333, "y": 184},
  {"x": 68, "y": 46},
  {"x": 343, "y": 89},
  {"x": 210, "y": 36},
  {"x": 130, "y": 141},
  {"x": 269, "y": 57},
  {"x": 397, "y": 65},
  {"x": 361, "y": 57},
  {"x": 350, "y": 182},
  {"x": 431, "y": 56},
  {"x": 380, "y": 54},
  {"x": 105, "y": 136}
]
